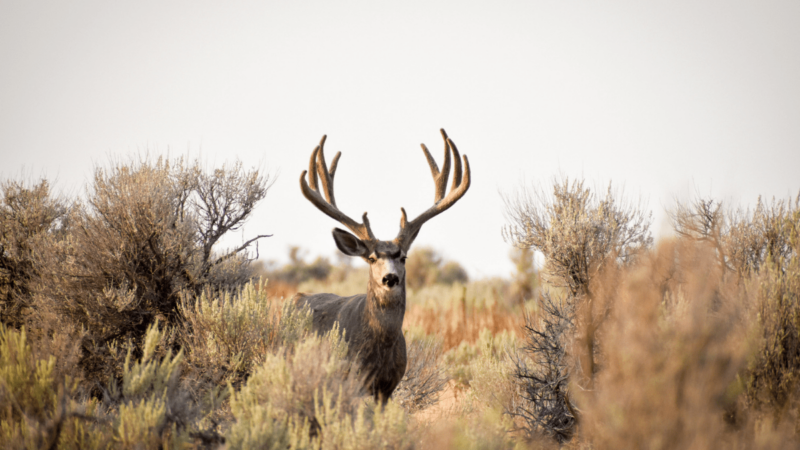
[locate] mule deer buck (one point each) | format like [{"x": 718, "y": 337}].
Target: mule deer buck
[{"x": 372, "y": 322}]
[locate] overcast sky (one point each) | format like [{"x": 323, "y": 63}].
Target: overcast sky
[{"x": 666, "y": 99}]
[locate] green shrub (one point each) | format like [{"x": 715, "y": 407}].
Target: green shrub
[
  {"x": 230, "y": 333},
  {"x": 42, "y": 407},
  {"x": 372, "y": 425},
  {"x": 312, "y": 391},
  {"x": 30, "y": 395},
  {"x": 152, "y": 407}
]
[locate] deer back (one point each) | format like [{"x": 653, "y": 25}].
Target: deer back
[{"x": 327, "y": 309}]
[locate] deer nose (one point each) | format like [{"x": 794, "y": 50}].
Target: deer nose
[{"x": 391, "y": 280}]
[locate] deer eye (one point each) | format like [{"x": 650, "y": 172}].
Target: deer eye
[{"x": 403, "y": 259}]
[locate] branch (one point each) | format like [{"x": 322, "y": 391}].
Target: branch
[{"x": 235, "y": 251}]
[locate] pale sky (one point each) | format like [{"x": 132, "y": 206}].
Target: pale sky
[{"x": 666, "y": 99}]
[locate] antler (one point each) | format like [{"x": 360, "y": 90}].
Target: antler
[
  {"x": 316, "y": 165},
  {"x": 409, "y": 230}
]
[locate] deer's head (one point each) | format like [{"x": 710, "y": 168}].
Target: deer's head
[{"x": 386, "y": 259}]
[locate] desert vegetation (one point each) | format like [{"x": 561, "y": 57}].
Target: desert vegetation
[{"x": 124, "y": 325}]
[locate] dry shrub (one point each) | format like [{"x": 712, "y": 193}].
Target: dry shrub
[
  {"x": 745, "y": 241},
  {"x": 580, "y": 235},
  {"x": 761, "y": 249},
  {"x": 30, "y": 220},
  {"x": 774, "y": 289},
  {"x": 541, "y": 369},
  {"x": 774, "y": 374},
  {"x": 576, "y": 230},
  {"x": 144, "y": 236},
  {"x": 767, "y": 235},
  {"x": 673, "y": 344},
  {"x": 425, "y": 377},
  {"x": 693, "y": 345}
]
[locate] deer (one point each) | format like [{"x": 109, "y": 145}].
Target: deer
[{"x": 372, "y": 322}]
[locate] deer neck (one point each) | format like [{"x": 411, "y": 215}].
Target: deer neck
[{"x": 385, "y": 309}]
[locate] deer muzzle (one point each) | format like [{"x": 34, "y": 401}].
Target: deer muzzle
[{"x": 390, "y": 280}]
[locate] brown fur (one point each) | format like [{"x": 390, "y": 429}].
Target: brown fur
[
  {"x": 372, "y": 322},
  {"x": 380, "y": 350}
]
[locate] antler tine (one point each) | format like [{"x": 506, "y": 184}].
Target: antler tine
[
  {"x": 452, "y": 197},
  {"x": 441, "y": 183},
  {"x": 312, "y": 178},
  {"x": 335, "y": 164},
  {"x": 327, "y": 205},
  {"x": 461, "y": 182},
  {"x": 325, "y": 176},
  {"x": 439, "y": 178},
  {"x": 456, "y": 166}
]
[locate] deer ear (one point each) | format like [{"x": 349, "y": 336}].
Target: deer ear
[{"x": 349, "y": 244}]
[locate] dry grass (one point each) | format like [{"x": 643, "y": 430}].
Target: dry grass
[{"x": 454, "y": 315}]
